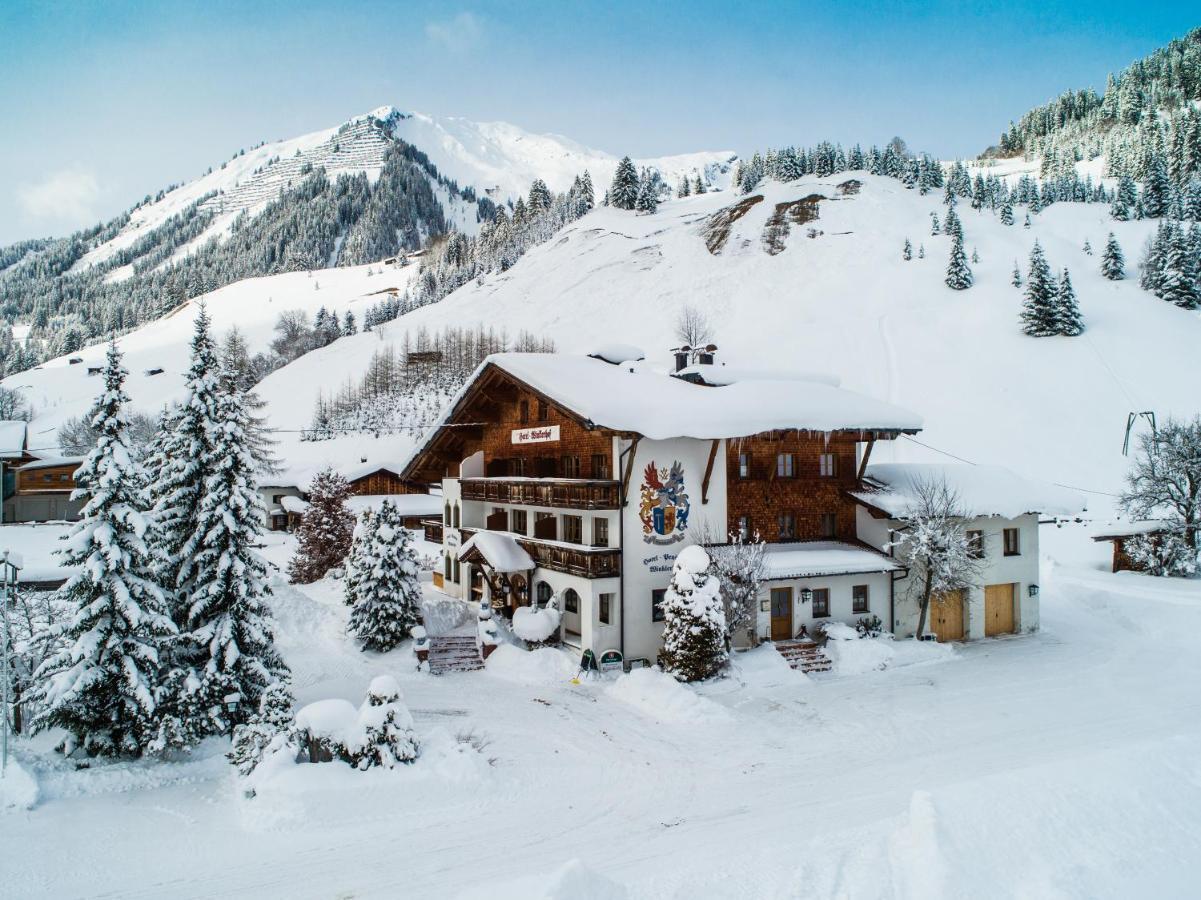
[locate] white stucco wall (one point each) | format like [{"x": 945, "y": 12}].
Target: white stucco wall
[{"x": 841, "y": 597}]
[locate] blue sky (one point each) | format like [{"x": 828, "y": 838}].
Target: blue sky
[{"x": 104, "y": 102}]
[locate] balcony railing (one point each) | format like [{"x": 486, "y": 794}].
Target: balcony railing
[
  {"x": 555, "y": 493},
  {"x": 559, "y": 557}
]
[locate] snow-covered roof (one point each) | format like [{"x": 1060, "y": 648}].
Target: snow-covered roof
[
  {"x": 638, "y": 399},
  {"x": 293, "y": 504},
  {"x": 351, "y": 473},
  {"x": 809, "y": 559},
  {"x": 981, "y": 490},
  {"x": 718, "y": 374},
  {"x": 500, "y": 549},
  {"x": 407, "y": 505},
  {"x": 1129, "y": 529},
  {"x": 618, "y": 353},
  {"x": 12, "y": 439},
  {"x": 49, "y": 462}
]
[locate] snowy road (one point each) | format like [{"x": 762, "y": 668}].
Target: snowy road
[{"x": 1063, "y": 764}]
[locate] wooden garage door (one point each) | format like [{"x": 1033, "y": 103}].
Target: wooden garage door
[
  {"x": 946, "y": 616},
  {"x": 998, "y": 609}
]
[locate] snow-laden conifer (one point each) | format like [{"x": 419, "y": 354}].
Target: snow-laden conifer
[
  {"x": 1067, "y": 312},
  {"x": 386, "y": 593},
  {"x": 274, "y": 717},
  {"x": 694, "y": 634},
  {"x": 325, "y": 529},
  {"x": 907, "y": 251},
  {"x": 384, "y": 734},
  {"x": 1113, "y": 263},
  {"x": 959, "y": 273},
  {"x": 1016, "y": 278},
  {"x": 102, "y": 688},
  {"x": 623, "y": 192},
  {"x": 1039, "y": 311}
]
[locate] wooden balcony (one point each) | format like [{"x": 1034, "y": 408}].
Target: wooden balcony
[
  {"x": 433, "y": 530},
  {"x": 557, "y": 556},
  {"x": 559, "y": 493}
]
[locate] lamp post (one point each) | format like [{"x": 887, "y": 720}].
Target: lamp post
[{"x": 231, "y": 706}]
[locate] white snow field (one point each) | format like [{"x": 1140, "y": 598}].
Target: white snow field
[{"x": 1059, "y": 764}]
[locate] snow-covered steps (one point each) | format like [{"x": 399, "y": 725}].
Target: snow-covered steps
[
  {"x": 804, "y": 655},
  {"x": 454, "y": 653}
]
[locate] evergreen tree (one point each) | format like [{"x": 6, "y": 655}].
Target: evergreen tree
[
  {"x": 387, "y": 601},
  {"x": 1125, "y": 199},
  {"x": 648, "y": 195},
  {"x": 1039, "y": 312},
  {"x": 325, "y": 530},
  {"x": 1113, "y": 263},
  {"x": 1179, "y": 281},
  {"x": 685, "y": 188},
  {"x": 907, "y": 251},
  {"x": 274, "y": 718},
  {"x": 921, "y": 251},
  {"x": 694, "y": 634},
  {"x": 1016, "y": 280},
  {"x": 1026, "y": 224},
  {"x": 1067, "y": 311},
  {"x": 102, "y": 690},
  {"x": 1157, "y": 189},
  {"x": 934, "y": 226},
  {"x": 953, "y": 226},
  {"x": 700, "y": 185},
  {"x": 349, "y": 327},
  {"x": 1088, "y": 248},
  {"x": 358, "y": 558},
  {"x": 385, "y": 733},
  {"x": 959, "y": 274},
  {"x": 975, "y": 257},
  {"x": 1007, "y": 211},
  {"x": 623, "y": 193}
]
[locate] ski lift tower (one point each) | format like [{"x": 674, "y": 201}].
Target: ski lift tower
[{"x": 10, "y": 564}]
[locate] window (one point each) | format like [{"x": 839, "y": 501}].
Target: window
[
  {"x": 821, "y": 603},
  {"x": 744, "y": 528},
  {"x": 828, "y": 464},
  {"x": 277, "y": 498},
  {"x": 499, "y": 520},
  {"x": 458, "y": 518},
  {"x": 523, "y": 410},
  {"x": 744, "y": 464},
  {"x": 600, "y": 532},
  {"x": 859, "y": 598},
  {"x": 1013, "y": 546},
  {"x": 569, "y": 467},
  {"x": 600, "y": 466},
  {"x": 784, "y": 465},
  {"x": 828, "y": 525},
  {"x": 571, "y": 601},
  {"x": 517, "y": 467},
  {"x": 543, "y": 593},
  {"x": 975, "y": 544},
  {"x": 546, "y": 526},
  {"x": 446, "y": 567},
  {"x": 543, "y": 412},
  {"x": 606, "y": 608},
  {"x": 787, "y": 526},
  {"x": 458, "y": 573},
  {"x": 518, "y": 523},
  {"x": 657, "y": 605},
  {"x": 573, "y": 529}
]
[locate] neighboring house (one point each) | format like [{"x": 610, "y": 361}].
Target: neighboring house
[
  {"x": 583, "y": 478},
  {"x": 43, "y": 491},
  {"x": 1121, "y": 535},
  {"x": 1002, "y": 512},
  {"x": 13, "y": 453},
  {"x": 416, "y": 509},
  {"x": 279, "y": 517},
  {"x": 373, "y": 479}
]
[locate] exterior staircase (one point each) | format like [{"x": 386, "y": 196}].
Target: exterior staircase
[
  {"x": 808, "y": 656},
  {"x": 454, "y": 653}
]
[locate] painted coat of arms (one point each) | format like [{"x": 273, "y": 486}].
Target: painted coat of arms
[{"x": 664, "y": 505}]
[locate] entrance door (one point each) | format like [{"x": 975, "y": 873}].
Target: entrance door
[
  {"x": 946, "y": 616},
  {"x": 781, "y": 614},
  {"x": 998, "y": 609}
]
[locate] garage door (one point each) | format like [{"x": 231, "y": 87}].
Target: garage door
[
  {"x": 998, "y": 609},
  {"x": 946, "y": 616}
]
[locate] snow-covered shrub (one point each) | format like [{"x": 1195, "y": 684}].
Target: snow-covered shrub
[
  {"x": 322, "y": 728},
  {"x": 694, "y": 635},
  {"x": 386, "y": 593},
  {"x": 383, "y": 734},
  {"x": 274, "y": 718},
  {"x": 1165, "y": 554},
  {"x": 869, "y": 626},
  {"x": 538, "y": 627}
]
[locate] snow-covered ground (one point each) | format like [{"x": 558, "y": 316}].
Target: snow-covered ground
[{"x": 1062, "y": 764}]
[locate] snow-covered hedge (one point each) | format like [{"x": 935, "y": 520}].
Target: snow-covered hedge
[{"x": 537, "y": 626}]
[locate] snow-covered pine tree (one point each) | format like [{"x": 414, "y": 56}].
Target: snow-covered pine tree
[
  {"x": 1125, "y": 199},
  {"x": 975, "y": 256},
  {"x": 1026, "y": 224},
  {"x": 387, "y": 600},
  {"x": 587, "y": 196},
  {"x": 1113, "y": 263},
  {"x": 1067, "y": 312},
  {"x": 102, "y": 689},
  {"x": 1016, "y": 279},
  {"x": 1179, "y": 281},
  {"x": 325, "y": 530},
  {"x": 935, "y": 228},
  {"x": 386, "y": 736},
  {"x": 694, "y": 634},
  {"x": 227, "y": 642},
  {"x": 648, "y": 197},
  {"x": 358, "y": 557},
  {"x": 921, "y": 251},
  {"x": 1007, "y": 211},
  {"x": 953, "y": 226},
  {"x": 274, "y": 717},
  {"x": 684, "y": 189},
  {"x": 959, "y": 274},
  {"x": 699, "y": 187},
  {"x": 1157, "y": 188},
  {"x": 623, "y": 193},
  {"x": 1040, "y": 307},
  {"x": 1088, "y": 248},
  {"x": 907, "y": 251}
]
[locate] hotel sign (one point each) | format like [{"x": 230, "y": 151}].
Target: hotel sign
[{"x": 542, "y": 435}]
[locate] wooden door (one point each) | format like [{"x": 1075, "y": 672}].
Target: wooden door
[
  {"x": 781, "y": 614},
  {"x": 946, "y": 616},
  {"x": 998, "y": 609}
]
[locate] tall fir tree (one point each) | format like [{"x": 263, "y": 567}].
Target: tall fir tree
[
  {"x": 1113, "y": 263},
  {"x": 102, "y": 690},
  {"x": 623, "y": 193},
  {"x": 387, "y": 601},
  {"x": 694, "y": 645},
  {"x": 1007, "y": 211},
  {"x": 959, "y": 274},
  {"x": 1178, "y": 284},
  {"x": 1040, "y": 307},
  {"x": 1067, "y": 312},
  {"x": 325, "y": 530},
  {"x": 1125, "y": 199}
]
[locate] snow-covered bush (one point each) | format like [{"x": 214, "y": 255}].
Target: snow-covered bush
[
  {"x": 869, "y": 626},
  {"x": 1165, "y": 554},
  {"x": 694, "y": 644},
  {"x": 536, "y": 626},
  {"x": 386, "y": 591},
  {"x": 322, "y": 727},
  {"x": 252, "y": 740},
  {"x": 383, "y": 734}
]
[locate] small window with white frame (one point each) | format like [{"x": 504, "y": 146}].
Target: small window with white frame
[{"x": 828, "y": 464}]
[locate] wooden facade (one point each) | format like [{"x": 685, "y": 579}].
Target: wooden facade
[
  {"x": 385, "y": 481},
  {"x": 47, "y": 479}
]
